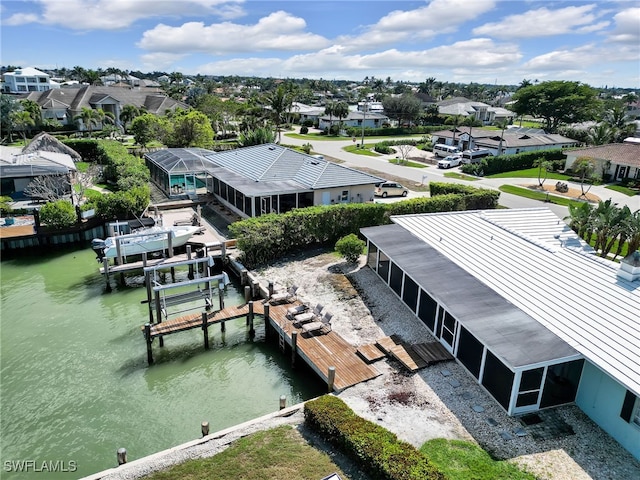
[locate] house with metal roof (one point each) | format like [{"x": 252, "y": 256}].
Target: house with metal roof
[
  {"x": 513, "y": 140},
  {"x": 524, "y": 307},
  {"x": 355, "y": 119},
  {"x": 479, "y": 110},
  {"x": 618, "y": 160},
  {"x": 260, "y": 179}
]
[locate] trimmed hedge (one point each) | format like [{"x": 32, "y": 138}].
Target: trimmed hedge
[
  {"x": 509, "y": 163},
  {"x": 378, "y": 451},
  {"x": 269, "y": 237}
]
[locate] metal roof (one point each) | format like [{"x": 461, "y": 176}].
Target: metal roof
[
  {"x": 14, "y": 164},
  {"x": 494, "y": 321},
  {"x": 181, "y": 160},
  {"x": 577, "y": 296}
]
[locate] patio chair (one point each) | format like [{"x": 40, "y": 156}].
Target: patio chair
[
  {"x": 284, "y": 297},
  {"x": 323, "y": 326},
  {"x": 297, "y": 310},
  {"x": 307, "y": 317}
]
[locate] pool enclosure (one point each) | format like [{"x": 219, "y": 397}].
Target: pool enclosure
[{"x": 180, "y": 172}]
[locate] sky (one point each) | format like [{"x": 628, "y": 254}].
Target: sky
[{"x": 483, "y": 41}]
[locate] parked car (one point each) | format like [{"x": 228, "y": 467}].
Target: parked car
[
  {"x": 450, "y": 161},
  {"x": 389, "y": 189}
]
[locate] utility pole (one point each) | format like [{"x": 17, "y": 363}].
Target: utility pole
[{"x": 364, "y": 117}]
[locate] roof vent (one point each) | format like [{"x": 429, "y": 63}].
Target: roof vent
[{"x": 630, "y": 267}]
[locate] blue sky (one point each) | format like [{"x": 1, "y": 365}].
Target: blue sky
[{"x": 484, "y": 41}]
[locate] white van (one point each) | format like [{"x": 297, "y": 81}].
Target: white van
[
  {"x": 474, "y": 156},
  {"x": 441, "y": 150}
]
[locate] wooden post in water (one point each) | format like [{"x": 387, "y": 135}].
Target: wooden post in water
[
  {"x": 204, "y": 428},
  {"x": 221, "y": 294},
  {"x": 105, "y": 266},
  {"x": 122, "y": 456},
  {"x": 294, "y": 347},
  {"x": 190, "y": 276},
  {"x": 255, "y": 289},
  {"x": 270, "y": 289},
  {"x": 244, "y": 276},
  {"x": 252, "y": 332},
  {"x": 173, "y": 274},
  {"x": 205, "y": 329},
  {"x": 147, "y": 337},
  {"x": 159, "y": 315},
  {"x": 119, "y": 259},
  {"x": 331, "y": 378},
  {"x": 266, "y": 321},
  {"x": 283, "y": 401},
  {"x": 144, "y": 259},
  {"x": 147, "y": 283},
  {"x": 247, "y": 293},
  {"x": 170, "y": 245}
]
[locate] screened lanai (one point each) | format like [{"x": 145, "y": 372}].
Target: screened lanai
[{"x": 180, "y": 171}]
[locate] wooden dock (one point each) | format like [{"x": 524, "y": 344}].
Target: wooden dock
[
  {"x": 329, "y": 355},
  {"x": 414, "y": 357}
]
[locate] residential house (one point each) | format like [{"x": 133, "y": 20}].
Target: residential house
[
  {"x": 514, "y": 140},
  {"x": 305, "y": 112},
  {"x": 45, "y": 155},
  {"x": 521, "y": 303},
  {"x": 615, "y": 160},
  {"x": 480, "y": 111},
  {"x": 355, "y": 119},
  {"x": 261, "y": 179},
  {"x": 65, "y": 103},
  {"x": 28, "y": 79}
]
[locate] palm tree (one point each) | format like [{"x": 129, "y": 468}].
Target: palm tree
[
  {"x": 501, "y": 124},
  {"x": 34, "y": 110},
  {"x": 89, "y": 119},
  {"x": 21, "y": 119},
  {"x": 280, "y": 102},
  {"x": 542, "y": 164},
  {"x": 330, "y": 110},
  {"x": 341, "y": 110},
  {"x": 600, "y": 134},
  {"x": 471, "y": 121},
  {"x": 580, "y": 219},
  {"x": 585, "y": 169},
  {"x": 127, "y": 114},
  {"x": 633, "y": 223}
]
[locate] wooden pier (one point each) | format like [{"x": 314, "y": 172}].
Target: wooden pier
[{"x": 329, "y": 355}]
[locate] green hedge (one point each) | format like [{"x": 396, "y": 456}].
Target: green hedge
[
  {"x": 269, "y": 237},
  {"x": 377, "y": 451},
  {"x": 384, "y": 131},
  {"x": 510, "y": 163}
]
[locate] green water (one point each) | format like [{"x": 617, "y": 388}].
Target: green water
[{"x": 75, "y": 385}]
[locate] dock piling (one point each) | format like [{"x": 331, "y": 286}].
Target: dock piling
[
  {"x": 105, "y": 265},
  {"x": 204, "y": 428},
  {"x": 294, "y": 347},
  {"x": 283, "y": 401},
  {"x": 266, "y": 321},
  {"x": 122, "y": 456},
  {"x": 270, "y": 289},
  {"x": 147, "y": 337},
  {"x": 205, "y": 330},
  {"x": 252, "y": 332},
  {"x": 331, "y": 378},
  {"x": 247, "y": 293}
]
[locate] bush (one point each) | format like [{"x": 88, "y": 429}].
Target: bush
[
  {"x": 304, "y": 129},
  {"x": 350, "y": 247},
  {"x": 59, "y": 214},
  {"x": 377, "y": 451},
  {"x": 383, "y": 148},
  {"x": 509, "y": 163}
]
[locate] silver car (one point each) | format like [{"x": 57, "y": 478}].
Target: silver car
[{"x": 388, "y": 189}]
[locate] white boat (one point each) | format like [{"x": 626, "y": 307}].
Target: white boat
[{"x": 145, "y": 240}]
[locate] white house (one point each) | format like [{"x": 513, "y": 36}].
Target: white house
[
  {"x": 617, "y": 160},
  {"x": 28, "y": 79},
  {"x": 521, "y": 303},
  {"x": 355, "y": 119},
  {"x": 479, "y": 110}
]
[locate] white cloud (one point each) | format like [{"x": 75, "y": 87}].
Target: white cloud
[
  {"x": 627, "y": 28},
  {"x": 582, "y": 57},
  {"x": 117, "y": 14},
  {"x": 278, "y": 31},
  {"x": 542, "y": 22},
  {"x": 260, "y": 67},
  {"x": 160, "y": 61}
]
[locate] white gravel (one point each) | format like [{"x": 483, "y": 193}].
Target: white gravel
[{"x": 419, "y": 406}]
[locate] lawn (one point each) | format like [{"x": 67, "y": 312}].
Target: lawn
[
  {"x": 277, "y": 453},
  {"x": 460, "y": 460},
  {"x": 407, "y": 163},
  {"x": 530, "y": 173},
  {"x": 322, "y": 137},
  {"x": 461, "y": 176},
  {"x": 626, "y": 190},
  {"x": 535, "y": 195},
  {"x": 361, "y": 151}
]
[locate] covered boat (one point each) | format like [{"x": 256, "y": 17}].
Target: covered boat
[{"x": 145, "y": 240}]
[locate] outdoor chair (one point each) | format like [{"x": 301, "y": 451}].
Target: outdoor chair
[
  {"x": 284, "y": 297},
  {"x": 307, "y": 317},
  {"x": 297, "y": 310},
  {"x": 323, "y": 326}
]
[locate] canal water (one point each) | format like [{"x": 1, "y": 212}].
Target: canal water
[{"x": 75, "y": 385}]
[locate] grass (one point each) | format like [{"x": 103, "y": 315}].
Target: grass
[
  {"x": 626, "y": 190},
  {"x": 277, "y": 453},
  {"x": 361, "y": 151},
  {"x": 530, "y": 173},
  {"x": 623, "y": 253},
  {"x": 407, "y": 163},
  {"x": 535, "y": 195},
  {"x": 460, "y": 460},
  {"x": 333, "y": 138},
  {"x": 461, "y": 176}
]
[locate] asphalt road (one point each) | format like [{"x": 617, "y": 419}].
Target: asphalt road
[{"x": 334, "y": 149}]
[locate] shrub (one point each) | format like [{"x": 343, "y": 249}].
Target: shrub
[
  {"x": 350, "y": 247},
  {"x": 377, "y": 450},
  {"x": 383, "y": 148},
  {"x": 509, "y": 163},
  {"x": 59, "y": 214},
  {"x": 5, "y": 204},
  {"x": 304, "y": 129}
]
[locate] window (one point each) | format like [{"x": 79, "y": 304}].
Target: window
[
  {"x": 631, "y": 409},
  {"x": 345, "y": 196}
]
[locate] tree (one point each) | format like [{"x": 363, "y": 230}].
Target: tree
[
  {"x": 148, "y": 127},
  {"x": 600, "y": 134},
  {"x": 502, "y": 125},
  {"x": 585, "y": 168},
  {"x": 404, "y": 150},
  {"x": 127, "y": 114},
  {"x": 89, "y": 118},
  {"x": 341, "y": 110},
  {"x": 406, "y": 107},
  {"x": 58, "y": 214},
  {"x": 557, "y": 102},
  {"x": 258, "y": 136},
  {"x": 330, "y": 109},
  {"x": 34, "y": 110},
  {"x": 279, "y": 102},
  {"x": 8, "y": 105},
  {"x": 580, "y": 219},
  {"x": 543, "y": 166},
  {"x": 21, "y": 120},
  {"x": 48, "y": 187},
  {"x": 190, "y": 129},
  {"x": 350, "y": 247}
]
